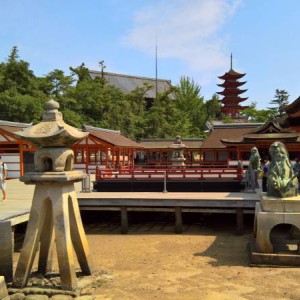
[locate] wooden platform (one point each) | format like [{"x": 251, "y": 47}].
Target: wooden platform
[{"x": 228, "y": 202}]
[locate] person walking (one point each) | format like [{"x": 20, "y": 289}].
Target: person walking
[
  {"x": 265, "y": 168},
  {"x": 3, "y": 176}
]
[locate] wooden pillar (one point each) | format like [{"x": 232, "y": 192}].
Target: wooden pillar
[
  {"x": 106, "y": 156},
  {"x": 87, "y": 156},
  {"x": 21, "y": 159},
  {"x": 178, "y": 220},
  {"x": 239, "y": 221},
  {"x": 124, "y": 220}
]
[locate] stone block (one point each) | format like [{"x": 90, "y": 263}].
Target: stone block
[
  {"x": 3, "y": 289},
  {"x": 273, "y": 204}
]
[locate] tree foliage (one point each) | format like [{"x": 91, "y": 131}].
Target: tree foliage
[
  {"x": 255, "y": 115},
  {"x": 281, "y": 100},
  {"x": 181, "y": 110},
  {"x": 21, "y": 99}
]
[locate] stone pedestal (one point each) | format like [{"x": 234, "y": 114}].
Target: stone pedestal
[
  {"x": 269, "y": 213},
  {"x": 54, "y": 209}
]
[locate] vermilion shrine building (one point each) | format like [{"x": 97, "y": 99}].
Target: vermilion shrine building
[{"x": 102, "y": 148}]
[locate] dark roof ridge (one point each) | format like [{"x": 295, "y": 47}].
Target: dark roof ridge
[
  {"x": 88, "y": 127},
  {"x": 129, "y": 76},
  {"x": 15, "y": 124}
]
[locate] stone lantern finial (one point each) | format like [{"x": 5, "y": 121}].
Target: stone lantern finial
[{"x": 51, "y": 112}]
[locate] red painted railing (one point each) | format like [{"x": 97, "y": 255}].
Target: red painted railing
[{"x": 171, "y": 174}]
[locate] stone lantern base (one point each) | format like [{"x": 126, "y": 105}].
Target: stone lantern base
[
  {"x": 54, "y": 210},
  {"x": 270, "y": 212}
]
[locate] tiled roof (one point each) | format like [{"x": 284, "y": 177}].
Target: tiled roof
[
  {"x": 266, "y": 136},
  {"x": 166, "y": 143},
  {"x": 13, "y": 126},
  {"x": 111, "y": 137},
  {"x": 128, "y": 83},
  {"x": 230, "y": 133},
  {"x": 293, "y": 107}
]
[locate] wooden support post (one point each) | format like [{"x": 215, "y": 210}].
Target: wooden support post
[
  {"x": 6, "y": 250},
  {"x": 178, "y": 220},
  {"x": 124, "y": 220},
  {"x": 239, "y": 221}
]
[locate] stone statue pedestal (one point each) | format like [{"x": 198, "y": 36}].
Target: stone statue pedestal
[
  {"x": 272, "y": 211},
  {"x": 54, "y": 208}
]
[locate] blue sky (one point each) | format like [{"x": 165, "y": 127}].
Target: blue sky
[{"x": 194, "y": 37}]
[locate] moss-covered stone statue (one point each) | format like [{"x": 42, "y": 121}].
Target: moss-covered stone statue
[
  {"x": 282, "y": 182},
  {"x": 253, "y": 169},
  {"x": 254, "y": 160}
]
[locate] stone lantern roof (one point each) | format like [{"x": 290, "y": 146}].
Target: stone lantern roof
[{"x": 52, "y": 131}]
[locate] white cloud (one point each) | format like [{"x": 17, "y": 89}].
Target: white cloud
[{"x": 188, "y": 30}]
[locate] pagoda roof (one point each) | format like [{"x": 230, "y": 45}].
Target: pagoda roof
[
  {"x": 232, "y": 92},
  {"x": 231, "y": 83},
  {"x": 232, "y": 74},
  {"x": 233, "y": 98},
  {"x": 230, "y": 108}
]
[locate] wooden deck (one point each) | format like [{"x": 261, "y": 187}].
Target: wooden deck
[{"x": 225, "y": 202}]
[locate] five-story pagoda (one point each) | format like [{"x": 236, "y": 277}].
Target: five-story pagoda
[{"x": 231, "y": 100}]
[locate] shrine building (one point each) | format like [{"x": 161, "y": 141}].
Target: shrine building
[
  {"x": 227, "y": 144},
  {"x": 102, "y": 148}
]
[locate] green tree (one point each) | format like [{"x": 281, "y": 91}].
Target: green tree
[
  {"x": 253, "y": 114},
  {"x": 59, "y": 83},
  {"x": 191, "y": 105},
  {"x": 213, "y": 108},
  {"x": 16, "y": 75},
  {"x": 21, "y": 98},
  {"x": 165, "y": 120},
  {"x": 281, "y": 101},
  {"x": 82, "y": 73}
]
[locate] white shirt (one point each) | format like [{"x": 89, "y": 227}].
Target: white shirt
[{"x": 3, "y": 167}]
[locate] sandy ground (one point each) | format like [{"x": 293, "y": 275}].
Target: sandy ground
[{"x": 207, "y": 261}]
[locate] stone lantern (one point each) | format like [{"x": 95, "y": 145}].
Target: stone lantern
[
  {"x": 54, "y": 208},
  {"x": 178, "y": 159}
]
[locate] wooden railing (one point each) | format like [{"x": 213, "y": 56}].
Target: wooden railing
[{"x": 171, "y": 174}]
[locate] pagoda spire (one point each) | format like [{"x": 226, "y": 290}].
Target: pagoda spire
[{"x": 231, "y": 61}]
